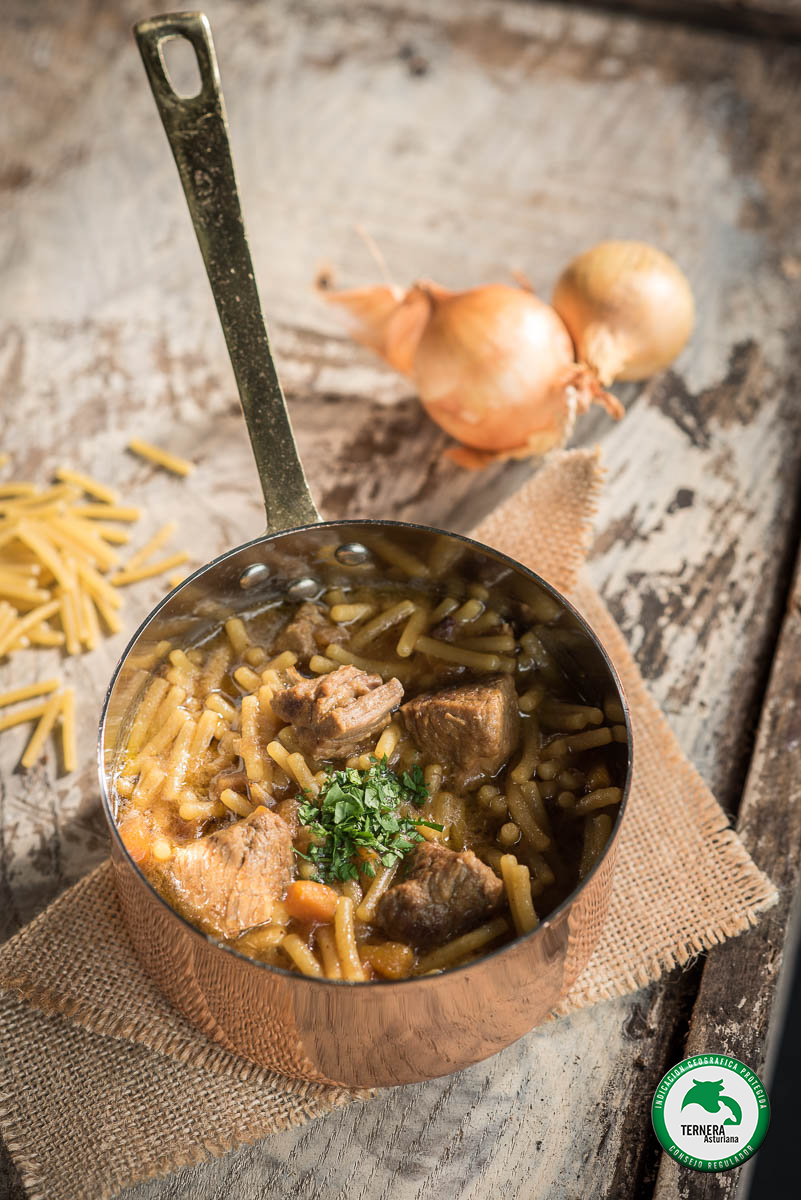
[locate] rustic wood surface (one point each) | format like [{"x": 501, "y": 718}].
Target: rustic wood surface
[
  {"x": 769, "y": 822},
  {"x": 469, "y": 141},
  {"x": 765, "y": 18}
]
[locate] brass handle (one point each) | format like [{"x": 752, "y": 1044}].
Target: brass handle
[{"x": 197, "y": 130}]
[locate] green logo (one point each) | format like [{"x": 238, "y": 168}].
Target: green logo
[
  {"x": 710, "y": 1112},
  {"x": 710, "y": 1095}
]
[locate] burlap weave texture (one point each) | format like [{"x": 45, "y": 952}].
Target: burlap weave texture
[{"x": 102, "y": 1083}]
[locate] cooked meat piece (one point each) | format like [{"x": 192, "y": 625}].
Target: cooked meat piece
[
  {"x": 232, "y": 777},
  {"x": 287, "y": 810},
  {"x": 310, "y": 631},
  {"x": 447, "y": 630},
  {"x": 228, "y": 881},
  {"x": 472, "y": 726},
  {"x": 444, "y": 894},
  {"x": 335, "y": 713}
]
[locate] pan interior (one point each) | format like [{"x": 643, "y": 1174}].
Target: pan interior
[{"x": 304, "y": 563}]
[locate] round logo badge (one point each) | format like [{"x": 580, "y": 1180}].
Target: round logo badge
[{"x": 711, "y": 1112}]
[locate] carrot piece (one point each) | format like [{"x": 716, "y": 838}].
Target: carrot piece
[
  {"x": 135, "y": 838},
  {"x": 392, "y": 960},
  {"x": 307, "y": 900}
]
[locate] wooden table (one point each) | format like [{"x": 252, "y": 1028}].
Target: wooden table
[{"x": 469, "y": 140}]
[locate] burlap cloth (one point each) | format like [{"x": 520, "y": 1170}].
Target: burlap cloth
[{"x": 103, "y": 1084}]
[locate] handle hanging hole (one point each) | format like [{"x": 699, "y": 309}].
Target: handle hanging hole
[{"x": 181, "y": 67}]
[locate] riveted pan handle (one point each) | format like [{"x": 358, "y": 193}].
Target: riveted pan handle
[{"x": 197, "y": 130}]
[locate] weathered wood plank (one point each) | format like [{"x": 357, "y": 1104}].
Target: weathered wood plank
[
  {"x": 766, "y": 18},
  {"x": 733, "y": 1011},
  {"x": 438, "y": 130}
]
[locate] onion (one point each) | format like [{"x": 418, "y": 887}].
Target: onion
[
  {"x": 385, "y": 320},
  {"x": 494, "y": 366},
  {"x": 628, "y": 308}
]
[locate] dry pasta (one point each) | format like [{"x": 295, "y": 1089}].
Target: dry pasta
[
  {"x": 162, "y": 458},
  {"x": 42, "y": 731},
  {"x": 159, "y": 539},
  {"x": 148, "y": 570},
  {"x": 55, "y": 583},
  {"x": 31, "y": 713},
  {"x": 107, "y": 512},
  {"x": 85, "y": 483},
  {"x": 28, "y": 692}
]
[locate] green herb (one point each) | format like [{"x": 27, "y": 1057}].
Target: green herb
[{"x": 358, "y": 811}]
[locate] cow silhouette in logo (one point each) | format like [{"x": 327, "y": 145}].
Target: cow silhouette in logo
[{"x": 709, "y": 1094}]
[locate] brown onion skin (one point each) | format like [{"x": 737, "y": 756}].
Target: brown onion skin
[
  {"x": 492, "y": 366},
  {"x": 628, "y": 308}
]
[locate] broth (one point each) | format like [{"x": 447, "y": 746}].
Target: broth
[{"x": 495, "y": 750}]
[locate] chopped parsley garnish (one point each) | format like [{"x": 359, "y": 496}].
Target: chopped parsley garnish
[{"x": 355, "y": 820}]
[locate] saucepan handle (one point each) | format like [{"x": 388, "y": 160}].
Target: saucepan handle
[{"x": 197, "y": 130}]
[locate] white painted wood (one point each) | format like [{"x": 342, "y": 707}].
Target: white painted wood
[{"x": 531, "y": 131}]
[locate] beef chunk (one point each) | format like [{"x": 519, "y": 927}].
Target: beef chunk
[
  {"x": 444, "y": 894},
  {"x": 231, "y": 777},
  {"x": 236, "y": 779},
  {"x": 471, "y": 726},
  {"x": 335, "y": 713},
  {"x": 447, "y": 630},
  {"x": 228, "y": 881},
  {"x": 310, "y": 631}
]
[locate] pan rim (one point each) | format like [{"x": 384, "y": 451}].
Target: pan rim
[{"x": 293, "y": 976}]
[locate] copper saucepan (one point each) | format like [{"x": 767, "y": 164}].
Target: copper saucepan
[{"x": 379, "y": 1033}]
